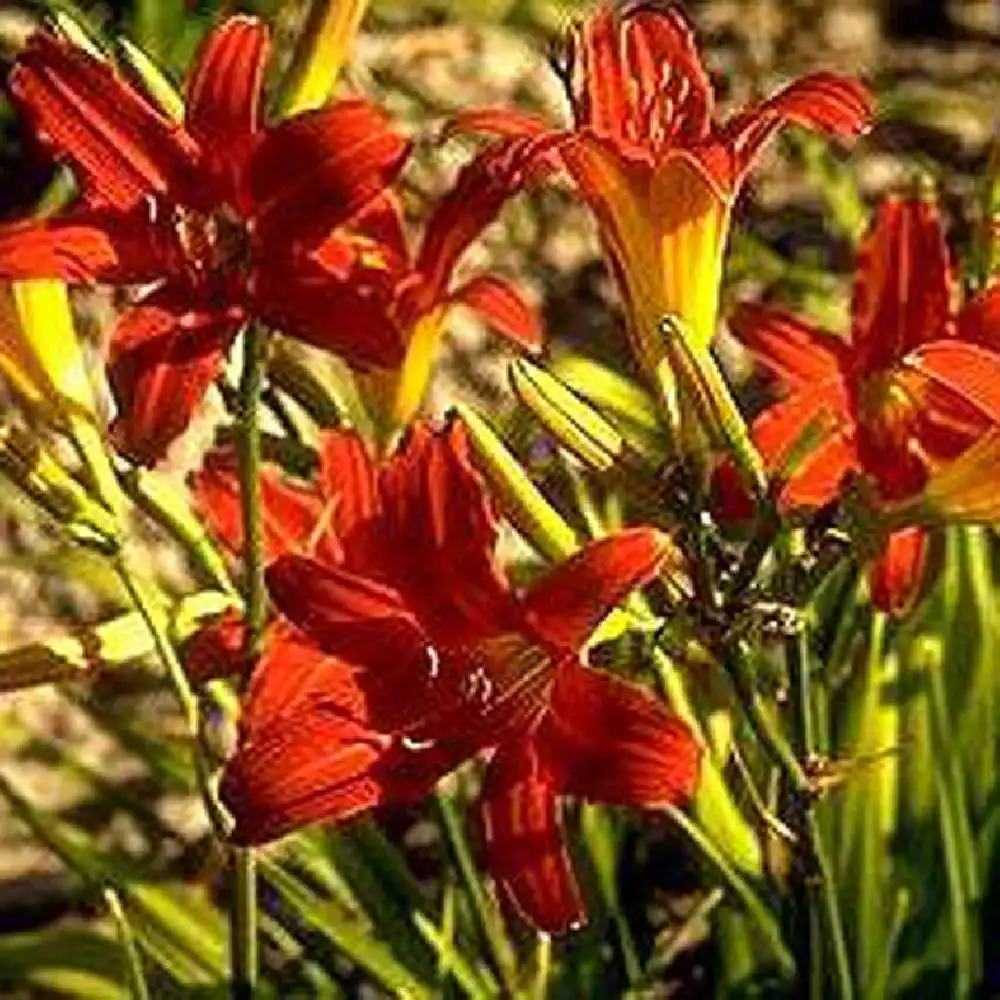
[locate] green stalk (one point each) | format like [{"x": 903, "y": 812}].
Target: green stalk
[
  {"x": 736, "y": 660},
  {"x": 821, "y": 890},
  {"x": 543, "y": 967},
  {"x": 136, "y": 976},
  {"x": 956, "y": 839},
  {"x": 170, "y": 509},
  {"x": 243, "y": 907}
]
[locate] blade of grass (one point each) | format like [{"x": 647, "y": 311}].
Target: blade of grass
[
  {"x": 763, "y": 918},
  {"x": 349, "y": 935},
  {"x": 487, "y": 914}
]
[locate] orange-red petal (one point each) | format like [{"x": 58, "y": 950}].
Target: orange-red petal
[
  {"x": 500, "y": 304},
  {"x": 673, "y": 99},
  {"x": 165, "y": 352},
  {"x": 565, "y": 606},
  {"x": 523, "y": 838},
  {"x": 217, "y": 649},
  {"x": 819, "y": 477},
  {"x": 290, "y": 511},
  {"x": 897, "y": 575},
  {"x": 310, "y": 749},
  {"x": 348, "y": 484},
  {"x": 797, "y": 354},
  {"x": 85, "y": 247},
  {"x": 979, "y": 320},
  {"x": 824, "y": 102},
  {"x": 122, "y": 149},
  {"x": 437, "y": 524},
  {"x": 968, "y": 372},
  {"x": 902, "y": 286},
  {"x": 501, "y": 123},
  {"x": 348, "y": 615},
  {"x": 305, "y": 752},
  {"x": 313, "y": 172},
  {"x": 224, "y": 90},
  {"x": 785, "y": 427},
  {"x": 382, "y": 220},
  {"x": 346, "y": 313},
  {"x": 614, "y": 743},
  {"x": 479, "y": 192}
]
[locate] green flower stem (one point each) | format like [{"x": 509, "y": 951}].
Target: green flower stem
[
  {"x": 694, "y": 372},
  {"x": 136, "y": 977},
  {"x": 543, "y": 967},
  {"x": 250, "y": 391},
  {"x": 243, "y": 907},
  {"x": 150, "y": 606},
  {"x": 170, "y": 509},
  {"x": 821, "y": 890},
  {"x": 758, "y": 548},
  {"x": 92, "y": 448}
]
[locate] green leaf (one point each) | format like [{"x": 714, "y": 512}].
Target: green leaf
[
  {"x": 67, "y": 962},
  {"x": 345, "y": 931}
]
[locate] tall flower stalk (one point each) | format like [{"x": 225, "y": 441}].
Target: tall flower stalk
[{"x": 243, "y": 912}]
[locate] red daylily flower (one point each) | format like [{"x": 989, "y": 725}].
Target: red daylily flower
[
  {"x": 917, "y": 384},
  {"x": 221, "y": 213},
  {"x": 648, "y": 154},
  {"x": 423, "y": 288},
  {"x": 411, "y": 653}
]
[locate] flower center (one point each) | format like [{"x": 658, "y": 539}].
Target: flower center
[
  {"x": 506, "y": 679},
  {"x": 212, "y": 241},
  {"x": 886, "y": 408}
]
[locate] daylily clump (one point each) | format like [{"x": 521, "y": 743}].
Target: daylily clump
[
  {"x": 221, "y": 218},
  {"x": 917, "y": 383},
  {"x": 411, "y": 653},
  {"x": 661, "y": 173},
  {"x": 380, "y": 643}
]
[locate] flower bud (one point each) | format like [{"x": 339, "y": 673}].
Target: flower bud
[
  {"x": 154, "y": 81},
  {"x": 518, "y": 497},
  {"x": 326, "y": 39},
  {"x": 573, "y": 423},
  {"x": 37, "y": 472},
  {"x": 708, "y": 416},
  {"x": 39, "y": 350}
]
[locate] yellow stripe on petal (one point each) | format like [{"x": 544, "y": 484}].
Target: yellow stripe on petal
[
  {"x": 41, "y": 353},
  {"x": 692, "y": 222},
  {"x": 329, "y": 33},
  {"x": 962, "y": 490},
  {"x": 618, "y": 192},
  {"x": 418, "y": 364},
  {"x": 18, "y": 363}
]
